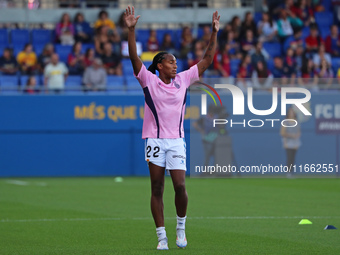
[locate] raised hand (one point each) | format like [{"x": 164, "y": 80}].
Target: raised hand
[
  {"x": 216, "y": 21},
  {"x": 129, "y": 17}
]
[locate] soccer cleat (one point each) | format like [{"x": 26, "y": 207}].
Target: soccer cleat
[
  {"x": 163, "y": 244},
  {"x": 181, "y": 240}
]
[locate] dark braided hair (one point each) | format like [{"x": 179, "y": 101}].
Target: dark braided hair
[{"x": 157, "y": 59}]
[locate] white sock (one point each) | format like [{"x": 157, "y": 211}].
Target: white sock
[
  {"x": 181, "y": 223},
  {"x": 161, "y": 234}
]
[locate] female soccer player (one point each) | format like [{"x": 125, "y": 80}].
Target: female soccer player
[{"x": 165, "y": 98}]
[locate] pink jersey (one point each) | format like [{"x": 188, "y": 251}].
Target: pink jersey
[{"x": 165, "y": 103}]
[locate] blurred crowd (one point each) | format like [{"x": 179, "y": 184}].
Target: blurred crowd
[{"x": 282, "y": 45}]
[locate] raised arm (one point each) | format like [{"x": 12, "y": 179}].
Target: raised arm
[
  {"x": 131, "y": 21},
  {"x": 210, "y": 51}
]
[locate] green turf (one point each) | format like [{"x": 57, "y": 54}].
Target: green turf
[{"x": 100, "y": 216}]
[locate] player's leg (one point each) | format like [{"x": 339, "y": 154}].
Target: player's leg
[
  {"x": 157, "y": 188},
  {"x": 181, "y": 202},
  {"x": 157, "y": 206},
  {"x": 155, "y": 156},
  {"x": 181, "y": 196}
]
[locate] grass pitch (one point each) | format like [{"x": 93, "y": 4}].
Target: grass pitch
[{"x": 225, "y": 216}]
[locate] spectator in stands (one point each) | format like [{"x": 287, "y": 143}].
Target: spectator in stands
[
  {"x": 83, "y": 31},
  {"x": 333, "y": 42},
  {"x": 206, "y": 35},
  {"x": 65, "y": 30},
  {"x": 236, "y": 27},
  {"x": 8, "y": 63},
  {"x": 95, "y": 76},
  {"x": 248, "y": 44},
  {"x": 103, "y": 36},
  {"x": 103, "y": 20},
  {"x": 89, "y": 57},
  {"x": 299, "y": 57},
  {"x": 295, "y": 41},
  {"x": 152, "y": 44},
  {"x": 284, "y": 26},
  {"x": 111, "y": 60},
  {"x": 317, "y": 58},
  {"x": 222, "y": 61},
  {"x": 223, "y": 35},
  {"x": 234, "y": 47},
  {"x": 308, "y": 77},
  {"x": 259, "y": 55},
  {"x": 288, "y": 8},
  {"x": 196, "y": 56},
  {"x": 261, "y": 77},
  {"x": 278, "y": 71},
  {"x": 248, "y": 24},
  {"x": 168, "y": 45},
  {"x": 31, "y": 86},
  {"x": 325, "y": 74},
  {"x": 313, "y": 41},
  {"x": 267, "y": 29},
  {"x": 45, "y": 57},
  {"x": 27, "y": 60},
  {"x": 122, "y": 29},
  {"x": 304, "y": 12},
  {"x": 76, "y": 60},
  {"x": 244, "y": 73},
  {"x": 187, "y": 41},
  {"x": 55, "y": 74},
  {"x": 290, "y": 65}
]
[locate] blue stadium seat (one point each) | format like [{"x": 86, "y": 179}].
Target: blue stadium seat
[
  {"x": 270, "y": 64},
  {"x": 234, "y": 63},
  {"x": 74, "y": 81},
  {"x": 324, "y": 32},
  {"x": 305, "y": 32},
  {"x": 132, "y": 83},
  {"x": 20, "y": 36},
  {"x": 127, "y": 67},
  {"x": 287, "y": 42},
  {"x": 327, "y": 4},
  {"x": 9, "y": 81},
  {"x": 10, "y": 92},
  {"x": 24, "y": 78},
  {"x": 4, "y": 37},
  {"x": 257, "y": 17},
  {"x": 273, "y": 49},
  {"x": 63, "y": 51},
  {"x": 38, "y": 48},
  {"x": 115, "y": 82},
  {"x": 143, "y": 36},
  {"x": 17, "y": 48},
  {"x": 41, "y": 36},
  {"x": 335, "y": 64},
  {"x": 324, "y": 19},
  {"x": 86, "y": 46},
  {"x": 181, "y": 65},
  {"x": 2, "y": 47}
]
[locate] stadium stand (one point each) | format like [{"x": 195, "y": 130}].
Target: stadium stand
[{"x": 18, "y": 37}]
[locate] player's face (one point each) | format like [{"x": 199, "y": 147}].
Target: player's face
[{"x": 169, "y": 66}]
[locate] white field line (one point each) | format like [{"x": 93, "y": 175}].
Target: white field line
[
  {"x": 24, "y": 183},
  {"x": 17, "y": 182},
  {"x": 189, "y": 218}
]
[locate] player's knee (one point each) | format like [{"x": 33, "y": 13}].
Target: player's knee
[
  {"x": 157, "y": 189},
  {"x": 180, "y": 189}
]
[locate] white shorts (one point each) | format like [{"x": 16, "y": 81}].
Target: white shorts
[{"x": 168, "y": 153}]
